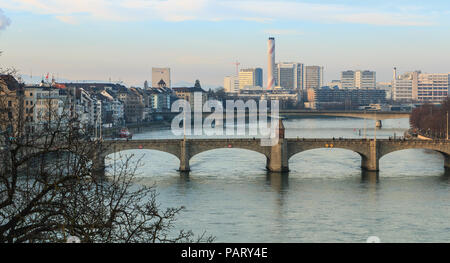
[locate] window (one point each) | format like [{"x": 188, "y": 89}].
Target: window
[{"x": 9, "y": 103}]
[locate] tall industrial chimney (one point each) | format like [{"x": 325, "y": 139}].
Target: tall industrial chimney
[
  {"x": 395, "y": 74},
  {"x": 271, "y": 63}
]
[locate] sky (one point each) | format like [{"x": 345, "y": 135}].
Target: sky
[{"x": 201, "y": 39}]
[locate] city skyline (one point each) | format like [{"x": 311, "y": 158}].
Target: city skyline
[{"x": 198, "y": 39}]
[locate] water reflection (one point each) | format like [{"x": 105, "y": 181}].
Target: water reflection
[
  {"x": 278, "y": 181},
  {"x": 369, "y": 177}
]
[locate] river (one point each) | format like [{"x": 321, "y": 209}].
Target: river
[{"x": 324, "y": 198}]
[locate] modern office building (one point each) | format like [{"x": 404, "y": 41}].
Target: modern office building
[
  {"x": 421, "y": 87},
  {"x": 289, "y": 75},
  {"x": 348, "y": 79},
  {"x": 359, "y": 79},
  {"x": 403, "y": 85},
  {"x": 231, "y": 84},
  {"x": 250, "y": 77},
  {"x": 313, "y": 77},
  {"x": 159, "y": 74},
  {"x": 432, "y": 88}
]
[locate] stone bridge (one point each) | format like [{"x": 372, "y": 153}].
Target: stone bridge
[{"x": 278, "y": 155}]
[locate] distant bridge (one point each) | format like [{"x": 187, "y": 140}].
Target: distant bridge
[
  {"x": 374, "y": 115},
  {"x": 278, "y": 155}
]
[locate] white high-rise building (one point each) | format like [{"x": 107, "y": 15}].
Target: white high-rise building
[
  {"x": 289, "y": 75},
  {"x": 348, "y": 79},
  {"x": 403, "y": 86},
  {"x": 432, "y": 87},
  {"x": 159, "y": 74},
  {"x": 231, "y": 84},
  {"x": 359, "y": 79},
  {"x": 366, "y": 79}
]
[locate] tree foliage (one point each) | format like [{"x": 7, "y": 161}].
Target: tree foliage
[{"x": 431, "y": 120}]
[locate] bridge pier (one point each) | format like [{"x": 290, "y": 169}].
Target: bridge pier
[
  {"x": 184, "y": 156},
  {"x": 379, "y": 124},
  {"x": 98, "y": 165},
  {"x": 446, "y": 161},
  {"x": 371, "y": 161},
  {"x": 278, "y": 160}
]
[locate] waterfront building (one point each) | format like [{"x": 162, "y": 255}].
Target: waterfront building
[
  {"x": 133, "y": 104},
  {"x": 432, "y": 88},
  {"x": 158, "y": 99},
  {"x": 112, "y": 112},
  {"x": 43, "y": 104},
  {"x": 403, "y": 85},
  {"x": 347, "y": 99}
]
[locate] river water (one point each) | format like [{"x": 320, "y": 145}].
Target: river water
[{"x": 324, "y": 198}]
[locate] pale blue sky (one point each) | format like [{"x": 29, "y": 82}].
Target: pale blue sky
[{"x": 199, "y": 39}]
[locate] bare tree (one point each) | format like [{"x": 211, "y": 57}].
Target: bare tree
[{"x": 49, "y": 190}]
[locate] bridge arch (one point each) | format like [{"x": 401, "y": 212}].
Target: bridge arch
[
  {"x": 167, "y": 146},
  {"x": 417, "y": 161},
  {"x": 150, "y": 161},
  {"x": 386, "y": 149},
  {"x": 231, "y": 156},
  {"x": 341, "y": 159},
  {"x": 144, "y": 150},
  {"x": 299, "y": 149},
  {"x": 195, "y": 150}
]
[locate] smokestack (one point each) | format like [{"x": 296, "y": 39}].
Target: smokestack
[
  {"x": 395, "y": 74},
  {"x": 271, "y": 63}
]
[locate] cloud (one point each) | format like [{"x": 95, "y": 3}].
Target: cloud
[
  {"x": 220, "y": 10},
  {"x": 68, "y": 19},
  {"x": 4, "y": 20}
]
